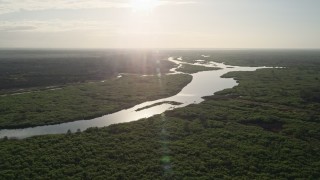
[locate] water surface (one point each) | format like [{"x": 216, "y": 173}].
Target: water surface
[{"x": 204, "y": 83}]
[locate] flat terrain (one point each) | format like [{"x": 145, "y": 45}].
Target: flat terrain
[
  {"x": 275, "y": 58},
  {"x": 42, "y": 87},
  {"x": 86, "y": 100},
  {"x": 41, "y": 68},
  {"x": 267, "y": 127}
]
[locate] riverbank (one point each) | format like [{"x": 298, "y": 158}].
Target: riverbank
[
  {"x": 86, "y": 100},
  {"x": 190, "y": 94},
  {"x": 190, "y": 69}
]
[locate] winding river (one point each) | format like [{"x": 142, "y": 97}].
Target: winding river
[{"x": 204, "y": 83}]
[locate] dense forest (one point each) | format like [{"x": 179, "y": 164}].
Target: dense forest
[
  {"x": 85, "y": 100},
  {"x": 267, "y": 127}
]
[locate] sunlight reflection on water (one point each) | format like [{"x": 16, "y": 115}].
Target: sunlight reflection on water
[{"x": 204, "y": 83}]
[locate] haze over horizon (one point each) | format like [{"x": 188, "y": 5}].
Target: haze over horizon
[{"x": 160, "y": 24}]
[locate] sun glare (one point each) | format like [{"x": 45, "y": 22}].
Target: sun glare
[{"x": 144, "y": 5}]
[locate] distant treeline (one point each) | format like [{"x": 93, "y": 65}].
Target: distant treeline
[
  {"x": 285, "y": 58},
  {"x": 38, "y": 68}
]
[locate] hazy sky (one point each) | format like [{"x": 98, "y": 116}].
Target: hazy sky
[{"x": 160, "y": 23}]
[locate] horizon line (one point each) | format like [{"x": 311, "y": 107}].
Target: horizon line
[{"x": 118, "y": 48}]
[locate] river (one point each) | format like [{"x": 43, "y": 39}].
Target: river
[{"x": 204, "y": 83}]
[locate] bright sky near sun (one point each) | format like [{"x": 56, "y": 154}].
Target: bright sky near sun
[{"x": 159, "y": 23}]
